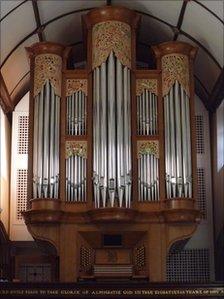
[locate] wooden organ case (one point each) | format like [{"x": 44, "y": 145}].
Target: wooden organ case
[{"x": 112, "y": 182}]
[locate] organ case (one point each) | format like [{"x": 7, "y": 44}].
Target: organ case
[{"x": 112, "y": 149}]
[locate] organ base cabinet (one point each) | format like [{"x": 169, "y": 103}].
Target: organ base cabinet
[{"x": 112, "y": 161}]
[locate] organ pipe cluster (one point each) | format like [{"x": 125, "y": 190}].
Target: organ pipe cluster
[
  {"x": 76, "y": 179},
  {"x": 148, "y": 177},
  {"x": 46, "y": 143},
  {"x": 76, "y": 114},
  {"x": 112, "y": 134},
  {"x": 177, "y": 143},
  {"x": 147, "y": 113}
]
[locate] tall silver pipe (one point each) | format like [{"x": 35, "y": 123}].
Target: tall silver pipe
[
  {"x": 120, "y": 159},
  {"x": 104, "y": 157},
  {"x": 177, "y": 102},
  {"x": 40, "y": 144},
  {"x": 184, "y": 141},
  {"x": 35, "y": 147},
  {"x": 46, "y": 138},
  {"x": 189, "y": 174},
  {"x": 52, "y": 145},
  {"x": 111, "y": 129}
]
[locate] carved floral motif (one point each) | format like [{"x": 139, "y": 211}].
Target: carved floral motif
[
  {"x": 75, "y": 85},
  {"x": 175, "y": 67},
  {"x": 111, "y": 36},
  {"x": 145, "y": 147},
  {"x": 149, "y": 84},
  {"x": 76, "y": 148},
  {"x": 47, "y": 67}
]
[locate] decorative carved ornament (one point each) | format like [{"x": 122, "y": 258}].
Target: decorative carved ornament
[
  {"x": 148, "y": 84},
  {"x": 47, "y": 67},
  {"x": 76, "y": 148},
  {"x": 111, "y": 36},
  {"x": 75, "y": 85},
  {"x": 145, "y": 147},
  {"x": 175, "y": 67}
]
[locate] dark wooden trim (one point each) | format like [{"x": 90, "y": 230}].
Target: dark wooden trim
[
  {"x": 38, "y": 21},
  {"x": 180, "y": 19},
  {"x": 20, "y": 80},
  {"x": 217, "y": 94},
  {"x": 87, "y": 9},
  {"x": 201, "y": 46},
  {"x": 19, "y": 44},
  {"x": 209, "y": 10},
  {"x": 5, "y": 99},
  {"x": 8, "y": 13}
]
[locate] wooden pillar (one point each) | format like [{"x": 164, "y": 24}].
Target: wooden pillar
[{"x": 68, "y": 253}]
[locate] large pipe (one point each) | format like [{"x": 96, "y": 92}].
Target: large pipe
[
  {"x": 35, "y": 147},
  {"x": 178, "y": 139},
  {"x": 111, "y": 129}
]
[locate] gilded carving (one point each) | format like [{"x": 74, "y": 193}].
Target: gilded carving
[
  {"x": 111, "y": 36},
  {"x": 175, "y": 67},
  {"x": 47, "y": 67},
  {"x": 76, "y": 148},
  {"x": 148, "y": 84},
  {"x": 75, "y": 85},
  {"x": 145, "y": 147}
]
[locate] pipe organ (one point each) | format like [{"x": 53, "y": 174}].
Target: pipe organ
[{"x": 111, "y": 144}]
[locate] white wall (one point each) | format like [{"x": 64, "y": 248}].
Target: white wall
[
  {"x": 219, "y": 169},
  {"x": 5, "y": 135},
  {"x": 18, "y": 199},
  {"x": 203, "y": 238}
]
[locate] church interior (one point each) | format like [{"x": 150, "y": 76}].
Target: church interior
[{"x": 112, "y": 142}]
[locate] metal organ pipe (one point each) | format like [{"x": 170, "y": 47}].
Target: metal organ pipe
[
  {"x": 147, "y": 113},
  {"x": 177, "y": 143},
  {"x": 76, "y": 164},
  {"x": 46, "y": 143},
  {"x": 111, "y": 134}
]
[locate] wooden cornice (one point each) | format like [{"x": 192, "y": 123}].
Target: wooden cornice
[
  {"x": 5, "y": 100},
  {"x": 217, "y": 94}
]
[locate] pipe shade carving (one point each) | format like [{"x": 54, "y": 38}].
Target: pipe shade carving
[
  {"x": 148, "y": 147},
  {"x": 78, "y": 148},
  {"x": 175, "y": 67},
  {"x": 146, "y": 84},
  {"x": 75, "y": 85},
  {"x": 111, "y": 36},
  {"x": 47, "y": 67}
]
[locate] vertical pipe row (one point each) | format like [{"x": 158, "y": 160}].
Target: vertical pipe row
[
  {"x": 111, "y": 134},
  {"x": 177, "y": 143},
  {"x": 147, "y": 113},
  {"x": 76, "y": 114},
  {"x": 148, "y": 178},
  {"x": 76, "y": 179},
  {"x": 46, "y": 143}
]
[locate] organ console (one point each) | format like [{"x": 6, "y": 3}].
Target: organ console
[{"x": 112, "y": 151}]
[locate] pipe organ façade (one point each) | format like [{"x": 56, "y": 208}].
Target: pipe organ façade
[{"x": 111, "y": 179}]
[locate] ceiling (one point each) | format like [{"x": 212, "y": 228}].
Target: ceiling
[{"x": 199, "y": 23}]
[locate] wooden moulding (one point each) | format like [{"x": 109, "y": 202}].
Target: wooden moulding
[
  {"x": 47, "y": 48},
  {"x": 112, "y": 215},
  {"x": 173, "y": 47},
  {"x": 111, "y": 13}
]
